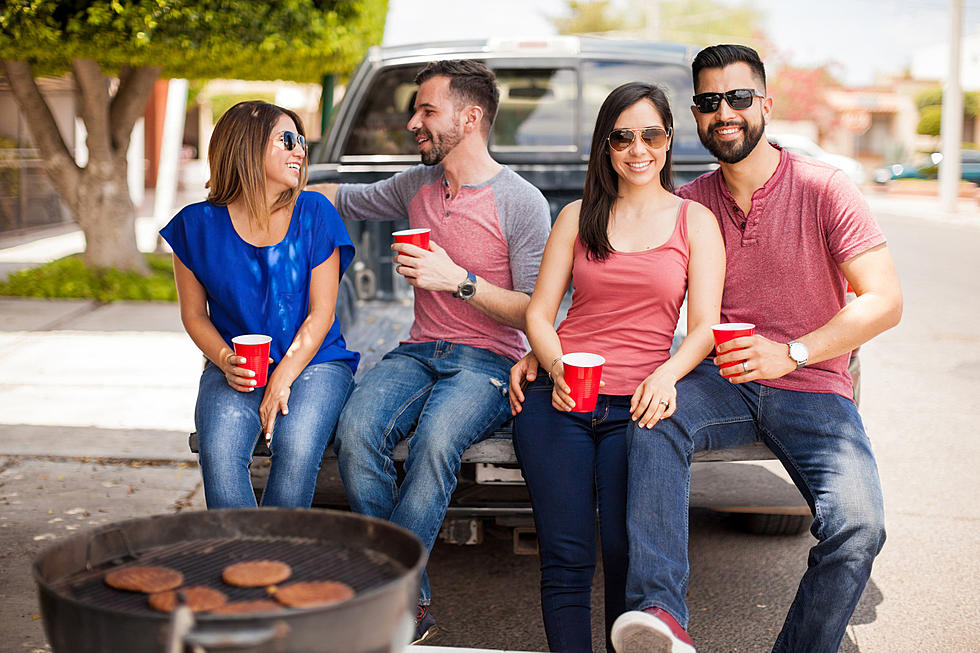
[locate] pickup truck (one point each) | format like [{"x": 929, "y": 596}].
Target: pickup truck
[{"x": 551, "y": 91}]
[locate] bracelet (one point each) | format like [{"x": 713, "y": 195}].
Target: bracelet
[{"x": 552, "y": 368}]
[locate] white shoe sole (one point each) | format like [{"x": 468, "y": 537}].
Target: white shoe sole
[{"x": 639, "y": 632}]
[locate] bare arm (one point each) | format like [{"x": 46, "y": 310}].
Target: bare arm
[
  {"x": 324, "y": 284},
  {"x": 706, "y": 279},
  {"x": 434, "y": 270},
  {"x": 878, "y": 307},
  {"x": 192, "y": 300},
  {"x": 554, "y": 278}
]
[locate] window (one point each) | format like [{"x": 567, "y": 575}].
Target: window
[
  {"x": 601, "y": 77},
  {"x": 537, "y": 110},
  {"x": 381, "y": 123}
]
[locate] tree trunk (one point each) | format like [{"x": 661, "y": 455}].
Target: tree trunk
[{"x": 98, "y": 194}]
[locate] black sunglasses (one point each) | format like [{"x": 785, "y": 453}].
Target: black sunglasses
[
  {"x": 290, "y": 139},
  {"x": 620, "y": 139},
  {"x": 738, "y": 99}
]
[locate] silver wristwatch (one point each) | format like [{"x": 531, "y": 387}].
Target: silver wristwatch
[
  {"x": 798, "y": 352},
  {"x": 467, "y": 288}
]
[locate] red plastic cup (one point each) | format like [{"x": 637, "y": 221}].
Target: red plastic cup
[
  {"x": 254, "y": 348},
  {"x": 729, "y": 331},
  {"x": 582, "y": 375},
  {"x": 417, "y": 237}
]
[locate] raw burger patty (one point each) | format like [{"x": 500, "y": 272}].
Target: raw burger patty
[
  {"x": 256, "y": 573},
  {"x": 198, "y": 599},
  {"x": 144, "y": 579},
  {"x": 313, "y": 595}
]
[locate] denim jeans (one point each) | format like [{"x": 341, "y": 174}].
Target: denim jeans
[
  {"x": 821, "y": 442},
  {"x": 453, "y": 396},
  {"x": 570, "y": 462},
  {"x": 228, "y": 426}
]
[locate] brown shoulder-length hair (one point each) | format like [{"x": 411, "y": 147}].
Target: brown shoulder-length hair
[
  {"x": 237, "y": 159},
  {"x": 601, "y": 181}
]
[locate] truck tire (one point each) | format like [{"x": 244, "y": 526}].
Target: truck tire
[{"x": 768, "y": 524}]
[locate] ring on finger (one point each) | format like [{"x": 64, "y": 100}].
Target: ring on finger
[
  {"x": 665, "y": 403},
  {"x": 745, "y": 367}
]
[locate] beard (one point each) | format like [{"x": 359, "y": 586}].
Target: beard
[
  {"x": 440, "y": 145},
  {"x": 732, "y": 151}
]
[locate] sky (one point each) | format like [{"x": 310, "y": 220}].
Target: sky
[{"x": 860, "y": 38}]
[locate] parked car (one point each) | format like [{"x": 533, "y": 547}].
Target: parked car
[
  {"x": 802, "y": 145},
  {"x": 927, "y": 167}
]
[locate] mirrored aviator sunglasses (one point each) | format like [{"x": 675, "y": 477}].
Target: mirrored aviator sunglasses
[
  {"x": 620, "y": 139},
  {"x": 738, "y": 99},
  {"x": 290, "y": 139}
]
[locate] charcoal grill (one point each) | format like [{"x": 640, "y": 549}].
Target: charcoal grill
[{"x": 379, "y": 560}]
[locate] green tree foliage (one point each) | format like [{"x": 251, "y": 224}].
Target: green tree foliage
[
  {"x": 592, "y": 17},
  {"x": 296, "y": 40},
  {"x": 115, "y": 49},
  {"x": 700, "y": 22},
  {"x": 930, "y": 104}
]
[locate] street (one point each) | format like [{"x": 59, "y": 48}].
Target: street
[{"x": 97, "y": 401}]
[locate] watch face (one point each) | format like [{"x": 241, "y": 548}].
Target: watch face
[
  {"x": 798, "y": 352},
  {"x": 467, "y": 289}
]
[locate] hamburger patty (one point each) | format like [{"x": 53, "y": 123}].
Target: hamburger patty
[
  {"x": 198, "y": 599},
  {"x": 313, "y": 595},
  {"x": 256, "y": 573},
  {"x": 144, "y": 579}
]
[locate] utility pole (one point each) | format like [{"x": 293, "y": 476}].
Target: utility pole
[
  {"x": 951, "y": 126},
  {"x": 651, "y": 27}
]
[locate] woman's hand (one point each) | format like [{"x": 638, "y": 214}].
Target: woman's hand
[
  {"x": 275, "y": 401},
  {"x": 654, "y": 399},
  {"x": 238, "y": 377},
  {"x": 560, "y": 394}
]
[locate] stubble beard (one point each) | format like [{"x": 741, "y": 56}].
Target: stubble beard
[{"x": 440, "y": 145}]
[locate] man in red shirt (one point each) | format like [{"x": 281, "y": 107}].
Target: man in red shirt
[{"x": 796, "y": 232}]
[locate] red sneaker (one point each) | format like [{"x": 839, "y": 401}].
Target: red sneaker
[{"x": 651, "y": 631}]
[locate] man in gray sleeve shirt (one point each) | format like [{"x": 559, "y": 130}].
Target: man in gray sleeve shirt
[{"x": 448, "y": 381}]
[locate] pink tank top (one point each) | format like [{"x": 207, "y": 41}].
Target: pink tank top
[{"x": 625, "y": 308}]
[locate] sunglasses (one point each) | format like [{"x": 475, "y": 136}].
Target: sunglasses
[
  {"x": 620, "y": 139},
  {"x": 737, "y": 99},
  {"x": 289, "y": 140}
]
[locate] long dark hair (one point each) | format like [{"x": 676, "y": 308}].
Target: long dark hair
[{"x": 601, "y": 181}]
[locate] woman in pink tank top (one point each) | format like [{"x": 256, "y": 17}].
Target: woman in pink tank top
[{"x": 630, "y": 249}]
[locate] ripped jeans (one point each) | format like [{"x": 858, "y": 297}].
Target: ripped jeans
[{"x": 453, "y": 396}]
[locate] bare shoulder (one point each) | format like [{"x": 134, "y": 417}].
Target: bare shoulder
[
  {"x": 700, "y": 219},
  {"x": 567, "y": 219}
]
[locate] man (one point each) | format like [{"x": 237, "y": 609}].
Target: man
[
  {"x": 796, "y": 231},
  {"x": 448, "y": 381}
]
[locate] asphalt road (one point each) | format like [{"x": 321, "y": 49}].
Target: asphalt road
[{"x": 82, "y": 445}]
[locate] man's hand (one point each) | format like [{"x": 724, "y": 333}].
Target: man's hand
[
  {"x": 429, "y": 270},
  {"x": 523, "y": 372},
  {"x": 756, "y": 357}
]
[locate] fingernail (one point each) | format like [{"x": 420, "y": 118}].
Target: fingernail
[
  {"x": 285, "y": 411},
  {"x": 253, "y": 382}
]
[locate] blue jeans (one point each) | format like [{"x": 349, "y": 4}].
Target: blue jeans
[
  {"x": 453, "y": 396},
  {"x": 570, "y": 461},
  {"x": 228, "y": 426},
  {"x": 821, "y": 442}
]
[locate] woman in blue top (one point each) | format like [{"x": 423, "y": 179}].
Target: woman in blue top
[{"x": 262, "y": 256}]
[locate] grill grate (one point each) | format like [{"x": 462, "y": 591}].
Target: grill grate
[{"x": 202, "y": 561}]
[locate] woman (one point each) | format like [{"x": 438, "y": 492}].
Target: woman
[
  {"x": 261, "y": 256},
  {"x": 631, "y": 249}
]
